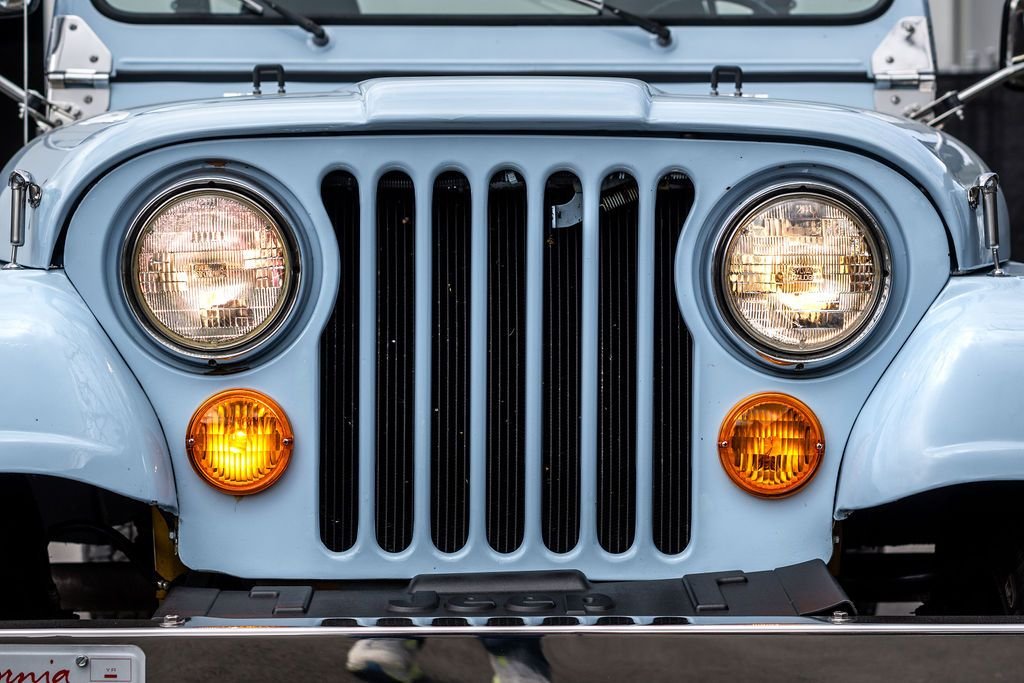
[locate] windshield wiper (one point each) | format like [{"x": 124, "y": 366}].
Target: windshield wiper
[
  {"x": 320, "y": 37},
  {"x": 649, "y": 25}
]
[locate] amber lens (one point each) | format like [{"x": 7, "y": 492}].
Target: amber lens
[
  {"x": 211, "y": 270},
  {"x": 771, "y": 444},
  {"x": 239, "y": 441},
  {"x": 802, "y": 274}
]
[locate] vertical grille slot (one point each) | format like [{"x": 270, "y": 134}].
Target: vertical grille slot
[
  {"x": 563, "y": 273},
  {"x": 673, "y": 365},
  {"x": 506, "y": 360},
  {"x": 616, "y": 363},
  {"x": 449, "y": 478},
  {"x": 396, "y": 305},
  {"x": 339, "y": 375}
]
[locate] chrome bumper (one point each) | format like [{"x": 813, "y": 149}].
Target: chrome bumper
[{"x": 710, "y": 649}]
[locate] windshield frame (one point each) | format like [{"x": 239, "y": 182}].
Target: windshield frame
[{"x": 538, "y": 20}]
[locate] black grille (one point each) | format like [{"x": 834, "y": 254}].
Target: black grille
[
  {"x": 339, "y": 375},
  {"x": 616, "y": 364},
  {"x": 563, "y": 273},
  {"x": 388, "y": 234},
  {"x": 449, "y": 479},
  {"x": 396, "y": 322},
  {"x": 506, "y": 360},
  {"x": 673, "y": 364}
]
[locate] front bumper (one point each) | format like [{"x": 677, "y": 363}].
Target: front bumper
[{"x": 712, "y": 649}]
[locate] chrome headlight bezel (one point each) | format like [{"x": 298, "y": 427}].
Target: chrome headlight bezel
[
  {"x": 842, "y": 348},
  {"x": 254, "y": 197}
]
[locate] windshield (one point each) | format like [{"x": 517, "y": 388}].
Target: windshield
[{"x": 542, "y": 11}]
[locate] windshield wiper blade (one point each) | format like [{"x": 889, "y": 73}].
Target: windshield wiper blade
[
  {"x": 320, "y": 37},
  {"x": 650, "y": 25}
]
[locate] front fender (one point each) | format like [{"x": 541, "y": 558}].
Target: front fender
[
  {"x": 950, "y": 408},
  {"x": 70, "y": 407}
]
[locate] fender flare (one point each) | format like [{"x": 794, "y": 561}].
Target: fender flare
[
  {"x": 70, "y": 406},
  {"x": 950, "y": 408}
]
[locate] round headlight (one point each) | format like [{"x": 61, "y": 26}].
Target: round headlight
[
  {"x": 210, "y": 270},
  {"x": 803, "y": 273}
]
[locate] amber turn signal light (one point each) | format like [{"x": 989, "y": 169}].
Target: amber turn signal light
[
  {"x": 239, "y": 441},
  {"x": 771, "y": 444}
]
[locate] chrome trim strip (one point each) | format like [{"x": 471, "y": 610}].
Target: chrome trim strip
[{"x": 255, "y": 630}]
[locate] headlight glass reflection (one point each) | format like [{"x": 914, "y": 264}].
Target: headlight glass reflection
[
  {"x": 803, "y": 273},
  {"x": 211, "y": 270}
]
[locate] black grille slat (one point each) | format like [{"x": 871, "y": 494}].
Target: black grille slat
[
  {"x": 561, "y": 395},
  {"x": 673, "y": 367},
  {"x": 396, "y": 306},
  {"x": 616, "y": 363},
  {"x": 339, "y": 377},
  {"x": 506, "y": 360},
  {"x": 449, "y": 493}
]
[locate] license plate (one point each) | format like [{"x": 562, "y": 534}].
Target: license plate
[{"x": 69, "y": 664}]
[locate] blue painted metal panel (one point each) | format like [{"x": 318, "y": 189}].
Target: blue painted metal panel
[
  {"x": 367, "y": 348},
  {"x": 478, "y": 180},
  {"x": 949, "y": 409},
  {"x": 591, "y": 183},
  {"x": 423, "y": 179},
  {"x": 70, "y": 159},
  {"x": 70, "y": 406},
  {"x": 275, "y": 532},
  {"x": 648, "y": 180},
  {"x": 533, "y": 458},
  {"x": 140, "y": 95}
]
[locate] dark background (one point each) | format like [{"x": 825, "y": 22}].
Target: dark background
[
  {"x": 10, "y": 67},
  {"x": 993, "y": 125},
  {"x": 993, "y": 128}
]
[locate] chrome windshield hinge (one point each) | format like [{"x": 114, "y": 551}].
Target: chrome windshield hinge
[
  {"x": 78, "y": 78},
  {"x": 985, "y": 192},
  {"x": 24, "y": 193},
  {"x": 903, "y": 66},
  {"x": 903, "y": 79},
  {"x": 78, "y": 68}
]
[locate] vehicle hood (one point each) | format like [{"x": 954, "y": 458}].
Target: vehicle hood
[{"x": 68, "y": 160}]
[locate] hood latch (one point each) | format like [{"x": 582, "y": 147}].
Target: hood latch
[{"x": 24, "y": 193}]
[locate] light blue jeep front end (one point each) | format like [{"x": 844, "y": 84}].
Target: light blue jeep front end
[{"x": 507, "y": 349}]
